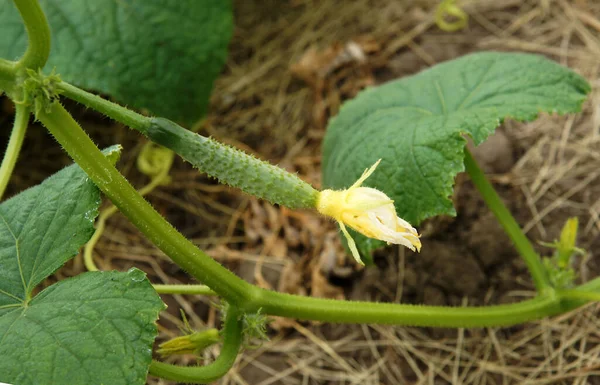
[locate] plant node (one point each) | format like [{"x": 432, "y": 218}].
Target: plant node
[
  {"x": 40, "y": 91},
  {"x": 255, "y": 329},
  {"x": 254, "y": 326}
]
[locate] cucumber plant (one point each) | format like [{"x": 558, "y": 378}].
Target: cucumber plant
[{"x": 98, "y": 327}]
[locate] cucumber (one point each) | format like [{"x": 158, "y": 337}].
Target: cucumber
[{"x": 234, "y": 167}]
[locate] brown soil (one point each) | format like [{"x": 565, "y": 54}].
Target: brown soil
[{"x": 291, "y": 66}]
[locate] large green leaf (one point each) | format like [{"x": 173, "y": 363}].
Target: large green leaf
[
  {"x": 41, "y": 229},
  {"x": 156, "y": 54},
  {"x": 416, "y": 124},
  {"x": 97, "y": 328}
]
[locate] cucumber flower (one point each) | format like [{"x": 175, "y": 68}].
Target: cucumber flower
[{"x": 368, "y": 211}]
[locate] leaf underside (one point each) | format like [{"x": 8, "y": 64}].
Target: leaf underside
[
  {"x": 156, "y": 54},
  {"x": 96, "y": 328},
  {"x": 416, "y": 125}
]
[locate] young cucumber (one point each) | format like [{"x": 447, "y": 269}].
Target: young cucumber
[{"x": 234, "y": 167}]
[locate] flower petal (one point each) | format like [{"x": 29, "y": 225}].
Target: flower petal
[
  {"x": 391, "y": 236},
  {"x": 406, "y": 226},
  {"x": 367, "y": 173},
  {"x": 351, "y": 243}
]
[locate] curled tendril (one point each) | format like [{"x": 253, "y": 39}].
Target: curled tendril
[
  {"x": 155, "y": 161},
  {"x": 449, "y": 8},
  {"x": 40, "y": 91}
]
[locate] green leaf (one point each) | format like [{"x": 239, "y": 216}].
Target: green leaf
[
  {"x": 154, "y": 54},
  {"x": 97, "y": 328},
  {"x": 41, "y": 229},
  {"x": 416, "y": 124}
]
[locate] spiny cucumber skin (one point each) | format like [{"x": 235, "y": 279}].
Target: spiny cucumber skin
[{"x": 234, "y": 167}]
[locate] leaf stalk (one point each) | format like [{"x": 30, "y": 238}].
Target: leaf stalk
[
  {"x": 509, "y": 224},
  {"x": 14, "y": 146},
  {"x": 38, "y": 32}
]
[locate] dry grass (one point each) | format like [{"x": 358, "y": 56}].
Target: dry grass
[{"x": 291, "y": 66}]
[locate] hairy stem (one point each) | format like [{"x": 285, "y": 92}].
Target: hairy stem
[
  {"x": 508, "y": 222},
  {"x": 38, "y": 33},
  {"x": 232, "y": 333},
  {"x": 80, "y": 147},
  {"x": 114, "y": 111},
  {"x": 14, "y": 146},
  {"x": 318, "y": 309},
  {"x": 88, "y": 250}
]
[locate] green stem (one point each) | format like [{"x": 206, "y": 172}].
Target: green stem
[
  {"x": 318, "y": 309},
  {"x": 38, "y": 33},
  {"x": 14, "y": 146},
  {"x": 112, "y": 110},
  {"x": 80, "y": 147},
  {"x": 580, "y": 295},
  {"x": 232, "y": 332},
  {"x": 184, "y": 289},
  {"x": 88, "y": 250},
  {"x": 8, "y": 70},
  {"x": 593, "y": 285},
  {"x": 508, "y": 222}
]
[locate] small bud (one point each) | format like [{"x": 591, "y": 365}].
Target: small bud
[
  {"x": 191, "y": 343},
  {"x": 566, "y": 244}
]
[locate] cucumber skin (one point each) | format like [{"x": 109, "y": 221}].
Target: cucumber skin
[{"x": 234, "y": 167}]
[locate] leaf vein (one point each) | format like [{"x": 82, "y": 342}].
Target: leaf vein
[{"x": 477, "y": 87}]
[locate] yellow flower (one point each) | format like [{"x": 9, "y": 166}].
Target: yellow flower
[{"x": 368, "y": 211}]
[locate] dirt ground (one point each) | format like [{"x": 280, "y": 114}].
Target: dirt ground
[{"x": 292, "y": 63}]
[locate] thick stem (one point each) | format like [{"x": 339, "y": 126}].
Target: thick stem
[
  {"x": 580, "y": 295},
  {"x": 232, "y": 332},
  {"x": 592, "y": 287},
  {"x": 38, "y": 33},
  {"x": 318, "y": 309},
  {"x": 508, "y": 222},
  {"x": 88, "y": 250},
  {"x": 14, "y": 146},
  {"x": 80, "y": 147}
]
